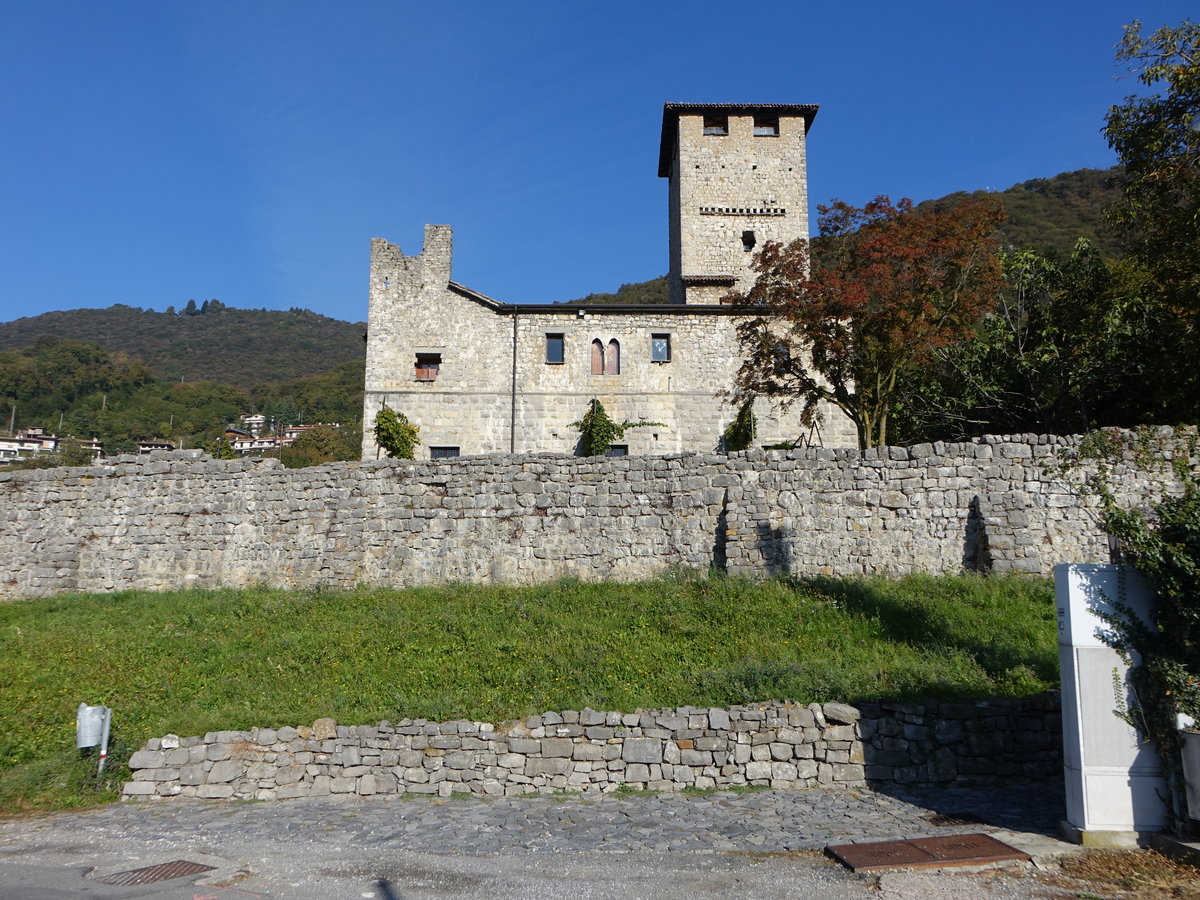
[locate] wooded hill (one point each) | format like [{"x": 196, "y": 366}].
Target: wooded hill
[
  {"x": 250, "y": 348},
  {"x": 246, "y": 348},
  {"x": 1051, "y": 214},
  {"x": 1044, "y": 214}
]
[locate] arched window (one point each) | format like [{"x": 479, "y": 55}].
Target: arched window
[
  {"x": 597, "y": 358},
  {"x": 612, "y": 359}
]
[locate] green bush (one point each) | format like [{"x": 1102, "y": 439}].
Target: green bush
[{"x": 395, "y": 434}]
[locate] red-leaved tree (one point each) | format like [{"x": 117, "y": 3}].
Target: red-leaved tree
[{"x": 887, "y": 286}]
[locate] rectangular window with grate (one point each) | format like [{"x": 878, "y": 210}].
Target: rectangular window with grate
[{"x": 443, "y": 452}]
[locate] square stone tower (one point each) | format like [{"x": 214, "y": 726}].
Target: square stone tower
[{"x": 737, "y": 179}]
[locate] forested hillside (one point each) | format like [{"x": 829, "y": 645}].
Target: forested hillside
[
  {"x": 653, "y": 291},
  {"x": 241, "y": 347},
  {"x": 1043, "y": 214},
  {"x": 1051, "y": 214},
  {"x": 85, "y": 390}
]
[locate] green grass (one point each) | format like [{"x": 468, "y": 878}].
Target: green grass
[{"x": 194, "y": 661}]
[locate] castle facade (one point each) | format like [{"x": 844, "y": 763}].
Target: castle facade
[{"x": 481, "y": 376}]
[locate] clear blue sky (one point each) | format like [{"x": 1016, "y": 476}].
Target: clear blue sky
[{"x": 158, "y": 151}]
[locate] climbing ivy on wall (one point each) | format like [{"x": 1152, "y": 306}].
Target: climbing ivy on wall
[
  {"x": 739, "y": 434},
  {"x": 598, "y": 432},
  {"x": 395, "y": 434}
]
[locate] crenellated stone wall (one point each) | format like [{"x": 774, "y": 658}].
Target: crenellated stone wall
[
  {"x": 777, "y": 745},
  {"x": 175, "y": 520}
]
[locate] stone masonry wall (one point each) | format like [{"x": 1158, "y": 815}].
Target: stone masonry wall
[
  {"x": 181, "y": 519},
  {"x": 495, "y": 390},
  {"x": 775, "y": 745}
]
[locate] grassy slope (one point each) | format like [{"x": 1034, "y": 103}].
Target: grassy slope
[{"x": 190, "y": 662}]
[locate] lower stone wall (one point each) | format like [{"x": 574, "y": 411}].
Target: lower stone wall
[
  {"x": 777, "y": 745},
  {"x": 991, "y": 741}
]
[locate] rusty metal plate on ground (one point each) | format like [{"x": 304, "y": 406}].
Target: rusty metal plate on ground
[
  {"x": 150, "y": 874},
  {"x": 954, "y": 819},
  {"x": 969, "y": 849},
  {"x": 879, "y": 855},
  {"x": 925, "y": 853}
]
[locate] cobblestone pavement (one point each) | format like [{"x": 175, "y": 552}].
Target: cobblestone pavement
[{"x": 294, "y": 848}]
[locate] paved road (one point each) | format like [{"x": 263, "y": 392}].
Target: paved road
[{"x": 761, "y": 844}]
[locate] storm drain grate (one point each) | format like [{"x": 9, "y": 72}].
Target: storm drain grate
[
  {"x": 162, "y": 872},
  {"x": 951, "y": 820},
  {"x": 925, "y": 853}
]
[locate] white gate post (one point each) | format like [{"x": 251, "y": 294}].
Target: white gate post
[{"x": 1114, "y": 782}]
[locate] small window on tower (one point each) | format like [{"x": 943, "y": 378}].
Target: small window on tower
[
  {"x": 766, "y": 126},
  {"x": 716, "y": 124},
  {"x": 748, "y": 241},
  {"x": 427, "y": 366}
]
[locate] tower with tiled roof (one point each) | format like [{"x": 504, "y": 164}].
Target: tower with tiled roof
[{"x": 737, "y": 179}]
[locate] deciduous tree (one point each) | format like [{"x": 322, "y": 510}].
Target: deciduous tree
[
  {"x": 1158, "y": 141},
  {"x": 316, "y": 445},
  {"x": 1157, "y": 138},
  {"x": 890, "y": 285}
]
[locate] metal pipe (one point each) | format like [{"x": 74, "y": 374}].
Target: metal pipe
[
  {"x": 512, "y": 428},
  {"x": 104, "y": 740}
]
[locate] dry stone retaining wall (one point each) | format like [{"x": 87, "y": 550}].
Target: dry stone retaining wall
[
  {"x": 182, "y": 519},
  {"x": 777, "y": 745}
]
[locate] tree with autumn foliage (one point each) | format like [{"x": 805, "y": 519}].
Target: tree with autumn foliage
[{"x": 888, "y": 286}]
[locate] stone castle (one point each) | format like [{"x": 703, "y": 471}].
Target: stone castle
[{"x": 481, "y": 376}]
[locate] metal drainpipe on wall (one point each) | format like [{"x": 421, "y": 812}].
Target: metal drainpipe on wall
[{"x": 512, "y": 427}]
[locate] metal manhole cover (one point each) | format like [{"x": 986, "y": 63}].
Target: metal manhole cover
[
  {"x": 879, "y": 855},
  {"x": 949, "y": 820},
  {"x": 925, "y": 853},
  {"x": 161, "y": 872}
]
